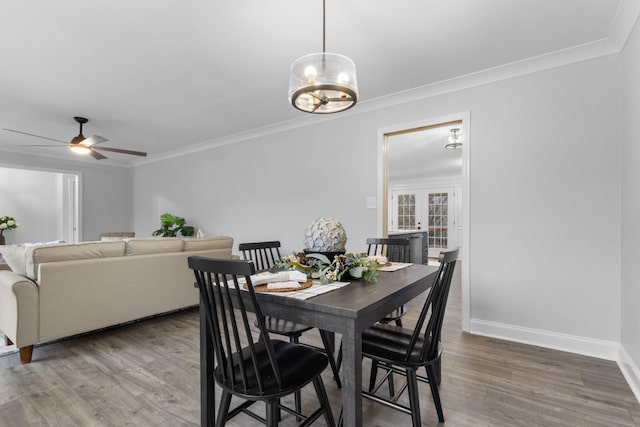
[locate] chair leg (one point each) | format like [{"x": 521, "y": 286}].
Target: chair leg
[
  {"x": 431, "y": 372},
  {"x": 392, "y": 391},
  {"x": 324, "y": 400},
  {"x": 223, "y": 411},
  {"x": 272, "y": 413},
  {"x": 414, "y": 398},
  {"x": 332, "y": 360},
  {"x": 399, "y": 322},
  {"x": 297, "y": 396},
  {"x": 373, "y": 375}
]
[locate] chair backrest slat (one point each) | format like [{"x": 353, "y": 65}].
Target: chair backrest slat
[
  {"x": 434, "y": 308},
  {"x": 235, "y": 347},
  {"x": 263, "y": 254},
  {"x": 395, "y": 249}
]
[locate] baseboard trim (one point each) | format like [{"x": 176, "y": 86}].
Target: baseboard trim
[
  {"x": 601, "y": 349},
  {"x": 630, "y": 372}
]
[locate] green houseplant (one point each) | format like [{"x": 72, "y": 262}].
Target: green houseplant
[{"x": 171, "y": 225}]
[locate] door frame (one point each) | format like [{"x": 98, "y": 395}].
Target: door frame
[{"x": 383, "y": 190}]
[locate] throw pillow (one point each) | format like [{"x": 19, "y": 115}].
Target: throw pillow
[{"x": 15, "y": 256}]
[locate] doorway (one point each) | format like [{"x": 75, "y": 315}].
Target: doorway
[
  {"x": 45, "y": 204},
  {"x": 424, "y": 187}
]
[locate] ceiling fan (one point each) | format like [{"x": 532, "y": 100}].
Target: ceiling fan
[{"x": 82, "y": 145}]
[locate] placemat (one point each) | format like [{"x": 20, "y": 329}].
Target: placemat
[
  {"x": 395, "y": 266},
  {"x": 265, "y": 287}
]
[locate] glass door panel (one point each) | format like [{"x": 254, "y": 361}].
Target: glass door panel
[
  {"x": 405, "y": 211},
  {"x": 440, "y": 222}
]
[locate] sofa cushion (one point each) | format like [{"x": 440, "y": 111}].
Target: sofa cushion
[
  {"x": 153, "y": 246},
  {"x": 39, "y": 254},
  {"x": 201, "y": 244}
]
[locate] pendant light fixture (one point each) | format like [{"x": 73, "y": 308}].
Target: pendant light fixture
[
  {"x": 323, "y": 82},
  {"x": 453, "y": 141}
]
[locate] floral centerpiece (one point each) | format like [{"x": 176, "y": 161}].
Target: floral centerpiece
[
  {"x": 318, "y": 266},
  {"x": 7, "y": 223}
]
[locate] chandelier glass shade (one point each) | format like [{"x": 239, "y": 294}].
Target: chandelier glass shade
[{"x": 323, "y": 82}]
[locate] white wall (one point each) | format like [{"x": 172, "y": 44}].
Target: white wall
[
  {"x": 32, "y": 197},
  {"x": 630, "y": 230},
  {"x": 106, "y": 193},
  {"x": 544, "y": 201},
  {"x": 545, "y": 191}
]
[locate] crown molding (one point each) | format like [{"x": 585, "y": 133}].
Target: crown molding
[{"x": 620, "y": 30}]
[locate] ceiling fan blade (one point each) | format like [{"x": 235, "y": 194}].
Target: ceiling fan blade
[
  {"x": 96, "y": 155},
  {"x": 42, "y": 145},
  {"x": 93, "y": 140},
  {"x": 120, "y": 150},
  {"x": 37, "y": 136}
]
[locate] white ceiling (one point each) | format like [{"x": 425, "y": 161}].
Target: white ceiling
[
  {"x": 421, "y": 155},
  {"x": 161, "y": 76}
]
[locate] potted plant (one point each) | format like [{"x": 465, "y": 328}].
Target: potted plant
[{"x": 172, "y": 226}]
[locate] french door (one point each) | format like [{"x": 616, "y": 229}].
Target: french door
[{"x": 431, "y": 210}]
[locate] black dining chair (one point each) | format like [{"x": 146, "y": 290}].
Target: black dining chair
[
  {"x": 252, "y": 369},
  {"x": 264, "y": 255},
  {"x": 404, "y": 351},
  {"x": 396, "y": 250}
]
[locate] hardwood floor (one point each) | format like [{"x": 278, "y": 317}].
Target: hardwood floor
[{"x": 147, "y": 374}]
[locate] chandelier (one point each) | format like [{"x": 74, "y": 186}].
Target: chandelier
[{"x": 323, "y": 82}]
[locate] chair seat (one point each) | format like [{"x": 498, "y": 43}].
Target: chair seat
[
  {"x": 298, "y": 365},
  {"x": 390, "y": 343},
  {"x": 285, "y": 327}
]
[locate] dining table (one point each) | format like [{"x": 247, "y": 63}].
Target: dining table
[{"x": 346, "y": 310}]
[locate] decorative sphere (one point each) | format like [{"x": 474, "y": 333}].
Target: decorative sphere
[{"x": 325, "y": 235}]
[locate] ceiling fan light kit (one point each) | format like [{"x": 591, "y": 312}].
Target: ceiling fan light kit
[
  {"x": 76, "y": 144},
  {"x": 323, "y": 82}
]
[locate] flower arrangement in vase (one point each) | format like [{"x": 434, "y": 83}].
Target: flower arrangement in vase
[{"x": 6, "y": 223}]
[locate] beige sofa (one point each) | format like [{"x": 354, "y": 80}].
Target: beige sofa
[{"x": 67, "y": 289}]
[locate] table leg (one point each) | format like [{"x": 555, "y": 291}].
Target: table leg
[
  {"x": 352, "y": 378},
  {"x": 207, "y": 384}
]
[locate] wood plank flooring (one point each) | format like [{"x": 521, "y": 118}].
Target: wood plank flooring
[{"x": 147, "y": 374}]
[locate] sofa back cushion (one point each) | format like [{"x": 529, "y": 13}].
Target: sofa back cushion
[
  {"x": 39, "y": 254},
  {"x": 153, "y": 246},
  {"x": 206, "y": 243}
]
